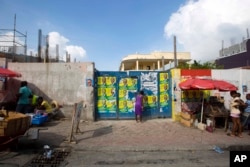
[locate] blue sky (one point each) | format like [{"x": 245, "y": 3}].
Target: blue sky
[{"x": 105, "y": 31}]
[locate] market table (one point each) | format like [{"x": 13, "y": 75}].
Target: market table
[
  {"x": 214, "y": 112},
  {"x": 12, "y": 126}
]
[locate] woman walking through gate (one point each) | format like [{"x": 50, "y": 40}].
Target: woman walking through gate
[{"x": 139, "y": 106}]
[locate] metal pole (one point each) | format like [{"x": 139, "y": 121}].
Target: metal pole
[
  {"x": 57, "y": 53},
  {"x": 175, "y": 56},
  {"x": 47, "y": 49},
  {"x": 25, "y": 47},
  {"x": 163, "y": 64},
  {"x": 14, "y": 34},
  {"x": 39, "y": 45}
]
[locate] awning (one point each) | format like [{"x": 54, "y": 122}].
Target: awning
[{"x": 4, "y": 72}]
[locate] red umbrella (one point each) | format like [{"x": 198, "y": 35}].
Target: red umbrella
[
  {"x": 4, "y": 72},
  {"x": 206, "y": 84},
  {"x": 224, "y": 86}
]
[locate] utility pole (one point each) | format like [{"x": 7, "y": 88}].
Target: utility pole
[
  {"x": 163, "y": 64},
  {"x": 175, "y": 56}
]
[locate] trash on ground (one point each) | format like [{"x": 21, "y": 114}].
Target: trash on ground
[{"x": 218, "y": 149}]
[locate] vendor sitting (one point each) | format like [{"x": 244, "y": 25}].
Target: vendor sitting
[{"x": 43, "y": 107}]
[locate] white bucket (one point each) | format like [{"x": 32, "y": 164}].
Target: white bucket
[{"x": 209, "y": 122}]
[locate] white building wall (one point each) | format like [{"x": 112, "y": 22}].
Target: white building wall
[{"x": 238, "y": 77}]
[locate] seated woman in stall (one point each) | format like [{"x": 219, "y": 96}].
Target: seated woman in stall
[{"x": 43, "y": 107}]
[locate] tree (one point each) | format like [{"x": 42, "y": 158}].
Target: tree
[{"x": 199, "y": 65}]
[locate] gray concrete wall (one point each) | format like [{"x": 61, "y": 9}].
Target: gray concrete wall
[{"x": 64, "y": 82}]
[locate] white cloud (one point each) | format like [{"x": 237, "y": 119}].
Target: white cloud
[
  {"x": 201, "y": 25},
  {"x": 76, "y": 52},
  {"x": 56, "y": 38}
]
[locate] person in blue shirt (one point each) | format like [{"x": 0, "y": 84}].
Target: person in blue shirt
[
  {"x": 246, "y": 114},
  {"x": 23, "y": 96}
]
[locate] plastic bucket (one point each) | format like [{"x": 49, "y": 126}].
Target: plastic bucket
[{"x": 209, "y": 122}]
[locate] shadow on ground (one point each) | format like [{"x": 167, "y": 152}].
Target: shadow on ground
[{"x": 96, "y": 132}]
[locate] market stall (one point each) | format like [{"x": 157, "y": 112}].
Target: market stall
[
  {"x": 212, "y": 109},
  {"x": 12, "y": 124}
]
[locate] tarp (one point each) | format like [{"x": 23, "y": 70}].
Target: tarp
[
  {"x": 207, "y": 84},
  {"x": 4, "y": 72}
]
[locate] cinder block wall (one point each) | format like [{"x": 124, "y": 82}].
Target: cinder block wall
[{"x": 64, "y": 82}]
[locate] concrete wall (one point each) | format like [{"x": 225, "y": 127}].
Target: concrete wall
[
  {"x": 64, "y": 82},
  {"x": 238, "y": 77}
]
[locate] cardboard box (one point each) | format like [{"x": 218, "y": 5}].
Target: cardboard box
[
  {"x": 185, "y": 122},
  {"x": 187, "y": 119},
  {"x": 187, "y": 116}
]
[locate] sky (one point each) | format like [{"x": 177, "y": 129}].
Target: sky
[{"x": 106, "y": 31}]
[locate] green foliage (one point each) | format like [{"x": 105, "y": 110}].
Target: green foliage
[{"x": 199, "y": 65}]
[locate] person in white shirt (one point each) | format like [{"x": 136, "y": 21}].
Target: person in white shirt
[{"x": 235, "y": 114}]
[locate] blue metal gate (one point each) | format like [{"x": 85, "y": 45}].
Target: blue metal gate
[{"x": 116, "y": 91}]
